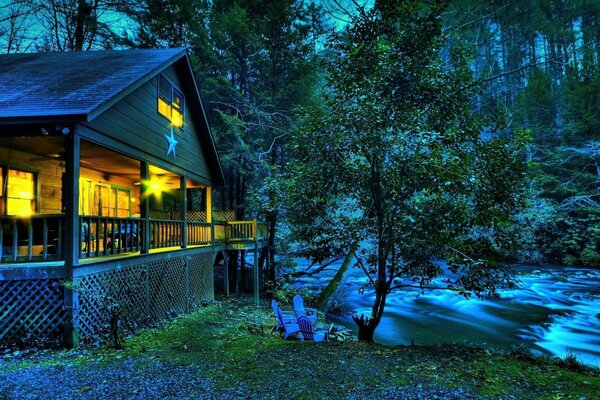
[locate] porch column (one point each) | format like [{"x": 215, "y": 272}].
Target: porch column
[
  {"x": 256, "y": 271},
  {"x": 208, "y": 204},
  {"x": 183, "y": 207},
  {"x": 72, "y": 227},
  {"x": 145, "y": 206}
]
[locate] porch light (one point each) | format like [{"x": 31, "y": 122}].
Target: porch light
[{"x": 155, "y": 186}]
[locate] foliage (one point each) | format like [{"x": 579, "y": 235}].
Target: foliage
[{"x": 395, "y": 160}]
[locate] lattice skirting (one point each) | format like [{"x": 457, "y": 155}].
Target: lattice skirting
[
  {"x": 140, "y": 295},
  {"x": 31, "y": 312}
]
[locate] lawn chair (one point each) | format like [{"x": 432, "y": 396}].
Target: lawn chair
[
  {"x": 300, "y": 310},
  {"x": 285, "y": 320},
  {"x": 308, "y": 332}
]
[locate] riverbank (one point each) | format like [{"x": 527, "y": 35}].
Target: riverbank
[{"x": 226, "y": 351}]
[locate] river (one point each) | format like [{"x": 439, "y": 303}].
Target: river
[{"x": 556, "y": 311}]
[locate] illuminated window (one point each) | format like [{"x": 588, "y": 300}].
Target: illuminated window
[
  {"x": 106, "y": 200},
  {"x": 177, "y": 112},
  {"x": 171, "y": 102},
  {"x": 164, "y": 97},
  {"x": 20, "y": 192}
]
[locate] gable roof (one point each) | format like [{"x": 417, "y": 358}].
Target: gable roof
[
  {"x": 77, "y": 83},
  {"x": 81, "y": 85}
]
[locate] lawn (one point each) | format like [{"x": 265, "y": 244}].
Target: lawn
[{"x": 227, "y": 350}]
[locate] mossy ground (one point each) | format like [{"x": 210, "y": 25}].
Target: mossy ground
[{"x": 232, "y": 345}]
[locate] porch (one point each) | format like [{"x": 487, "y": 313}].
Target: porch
[
  {"x": 40, "y": 238},
  {"x": 87, "y": 232}
]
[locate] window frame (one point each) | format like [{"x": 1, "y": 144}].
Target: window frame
[
  {"x": 173, "y": 91},
  {"x": 4, "y": 187}
]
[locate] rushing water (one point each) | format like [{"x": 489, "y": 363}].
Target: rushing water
[{"x": 556, "y": 310}]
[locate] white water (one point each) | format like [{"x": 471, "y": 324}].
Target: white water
[{"x": 555, "y": 311}]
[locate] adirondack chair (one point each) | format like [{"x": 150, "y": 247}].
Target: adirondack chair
[
  {"x": 288, "y": 328},
  {"x": 300, "y": 310},
  {"x": 285, "y": 319},
  {"x": 308, "y": 332}
]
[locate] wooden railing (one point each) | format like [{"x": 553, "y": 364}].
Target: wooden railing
[
  {"x": 102, "y": 236},
  {"x": 240, "y": 231},
  {"x": 165, "y": 233},
  {"x": 41, "y": 237},
  {"x": 38, "y": 237},
  {"x": 199, "y": 233}
]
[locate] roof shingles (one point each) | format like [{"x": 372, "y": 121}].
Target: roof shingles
[{"x": 67, "y": 84}]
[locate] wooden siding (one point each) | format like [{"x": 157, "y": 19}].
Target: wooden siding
[
  {"x": 135, "y": 121},
  {"x": 49, "y": 176}
]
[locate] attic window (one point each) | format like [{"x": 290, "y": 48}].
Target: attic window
[{"x": 171, "y": 102}]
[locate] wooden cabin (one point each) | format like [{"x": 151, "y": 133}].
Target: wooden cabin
[{"x": 106, "y": 168}]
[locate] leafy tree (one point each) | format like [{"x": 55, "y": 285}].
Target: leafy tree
[{"x": 395, "y": 161}]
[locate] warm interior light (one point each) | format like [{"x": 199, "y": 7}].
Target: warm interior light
[
  {"x": 24, "y": 211},
  {"x": 164, "y": 108},
  {"x": 177, "y": 119}
]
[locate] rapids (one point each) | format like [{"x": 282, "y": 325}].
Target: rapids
[{"x": 555, "y": 310}]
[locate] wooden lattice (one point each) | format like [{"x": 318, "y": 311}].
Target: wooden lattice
[
  {"x": 121, "y": 292},
  {"x": 142, "y": 294},
  {"x": 200, "y": 216},
  {"x": 31, "y": 311},
  {"x": 168, "y": 287},
  {"x": 223, "y": 215},
  {"x": 201, "y": 279}
]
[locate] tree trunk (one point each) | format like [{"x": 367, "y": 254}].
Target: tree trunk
[
  {"x": 366, "y": 327},
  {"x": 84, "y": 12}
]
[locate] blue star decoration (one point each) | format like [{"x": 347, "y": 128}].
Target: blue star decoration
[{"x": 172, "y": 143}]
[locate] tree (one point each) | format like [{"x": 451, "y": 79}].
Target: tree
[{"x": 394, "y": 160}]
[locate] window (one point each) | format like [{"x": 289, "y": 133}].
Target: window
[
  {"x": 164, "y": 97},
  {"x": 104, "y": 199},
  {"x": 171, "y": 102},
  {"x": 18, "y": 192}
]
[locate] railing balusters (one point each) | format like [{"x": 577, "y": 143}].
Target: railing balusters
[
  {"x": 15, "y": 239},
  {"x": 44, "y": 239},
  {"x": 30, "y": 239},
  {"x": 114, "y": 235}
]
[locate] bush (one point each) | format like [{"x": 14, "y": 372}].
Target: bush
[{"x": 590, "y": 257}]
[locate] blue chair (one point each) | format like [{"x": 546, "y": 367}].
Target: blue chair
[
  {"x": 286, "y": 320},
  {"x": 310, "y": 313},
  {"x": 308, "y": 332}
]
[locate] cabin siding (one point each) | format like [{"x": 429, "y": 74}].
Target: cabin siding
[
  {"x": 49, "y": 177},
  {"x": 135, "y": 120}
]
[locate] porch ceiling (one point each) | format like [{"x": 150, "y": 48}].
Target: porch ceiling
[{"x": 92, "y": 156}]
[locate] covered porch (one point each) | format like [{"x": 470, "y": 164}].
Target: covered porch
[{"x": 125, "y": 207}]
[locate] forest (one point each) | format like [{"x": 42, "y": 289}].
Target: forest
[
  {"x": 260, "y": 67},
  {"x": 270, "y": 71},
  {"x": 418, "y": 154}
]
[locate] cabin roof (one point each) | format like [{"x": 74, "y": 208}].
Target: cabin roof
[
  {"x": 65, "y": 84},
  {"x": 81, "y": 85}
]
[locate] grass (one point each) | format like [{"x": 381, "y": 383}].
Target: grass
[{"x": 232, "y": 343}]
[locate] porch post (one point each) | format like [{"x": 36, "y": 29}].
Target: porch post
[
  {"x": 183, "y": 206},
  {"x": 208, "y": 204},
  {"x": 145, "y": 206},
  {"x": 256, "y": 271},
  {"x": 72, "y": 239}
]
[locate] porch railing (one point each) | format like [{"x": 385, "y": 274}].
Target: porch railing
[
  {"x": 38, "y": 237},
  {"x": 41, "y": 237}
]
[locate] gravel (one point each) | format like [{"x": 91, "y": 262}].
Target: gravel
[{"x": 124, "y": 380}]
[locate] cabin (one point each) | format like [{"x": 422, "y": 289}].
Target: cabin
[{"x": 107, "y": 165}]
